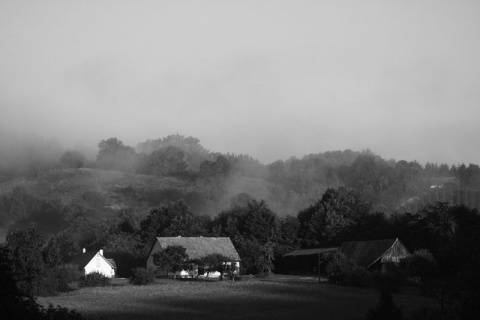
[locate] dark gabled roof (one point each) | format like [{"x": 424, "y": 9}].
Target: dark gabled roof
[
  {"x": 112, "y": 263},
  {"x": 199, "y": 247},
  {"x": 308, "y": 252},
  {"x": 83, "y": 259},
  {"x": 366, "y": 253}
]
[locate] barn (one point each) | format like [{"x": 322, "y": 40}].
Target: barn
[
  {"x": 376, "y": 254},
  {"x": 197, "y": 248},
  {"x": 95, "y": 261}
]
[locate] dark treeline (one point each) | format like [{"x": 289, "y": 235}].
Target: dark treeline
[{"x": 450, "y": 234}]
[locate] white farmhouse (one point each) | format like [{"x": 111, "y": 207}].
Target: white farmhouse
[{"x": 93, "y": 261}]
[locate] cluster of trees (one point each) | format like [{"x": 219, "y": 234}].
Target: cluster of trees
[
  {"x": 39, "y": 267},
  {"x": 388, "y": 184},
  {"x": 28, "y": 268}
]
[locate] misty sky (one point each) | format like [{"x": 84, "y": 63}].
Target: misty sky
[{"x": 272, "y": 79}]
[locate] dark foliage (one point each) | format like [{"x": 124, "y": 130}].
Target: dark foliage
[
  {"x": 254, "y": 229},
  {"x": 386, "y": 309},
  {"x": 18, "y": 304},
  {"x": 344, "y": 271},
  {"x": 332, "y": 219},
  {"x": 174, "y": 219},
  {"x": 172, "y": 258},
  {"x": 24, "y": 249},
  {"x": 142, "y": 276},
  {"x": 393, "y": 280}
]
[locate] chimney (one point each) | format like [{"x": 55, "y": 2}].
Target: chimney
[
  {"x": 101, "y": 252},
  {"x": 84, "y": 250}
]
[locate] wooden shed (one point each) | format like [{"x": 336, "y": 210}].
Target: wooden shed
[{"x": 376, "y": 254}]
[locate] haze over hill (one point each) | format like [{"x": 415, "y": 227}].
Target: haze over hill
[
  {"x": 272, "y": 79},
  {"x": 42, "y": 183}
]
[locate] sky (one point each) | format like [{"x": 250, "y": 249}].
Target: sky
[{"x": 272, "y": 79}]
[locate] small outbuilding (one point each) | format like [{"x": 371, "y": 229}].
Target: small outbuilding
[
  {"x": 376, "y": 254},
  {"x": 197, "y": 248},
  {"x": 95, "y": 261}
]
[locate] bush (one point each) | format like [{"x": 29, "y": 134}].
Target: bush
[
  {"x": 60, "y": 313},
  {"x": 425, "y": 314},
  {"x": 64, "y": 275},
  {"x": 385, "y": 309},
  {"x": 392, "y": 280},
  {"x": 420, "y": 264},
  {"x": 142, "y": 276},
  {"x": 94, "y": 279},
  {"x": 346, "y": 272}
]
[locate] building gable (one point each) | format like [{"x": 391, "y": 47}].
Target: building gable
[
  {"x": 95, "y": 262},
  {"x": 366, "y": 253}
]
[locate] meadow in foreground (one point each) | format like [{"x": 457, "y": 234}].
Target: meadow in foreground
[{"x": 254, "y": 299}]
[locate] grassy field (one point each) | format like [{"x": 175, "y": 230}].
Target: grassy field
[{"x": 253, "y": 299}]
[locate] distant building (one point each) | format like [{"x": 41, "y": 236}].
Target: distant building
[
  {"x": 197, "y": 248},
  {"x": 94, "y": 261},
  {"x": 376, "y": 254},
  {"x": 371, "y": 255}
]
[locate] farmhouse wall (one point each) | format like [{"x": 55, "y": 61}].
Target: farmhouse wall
[{"x": 99, "y": 264}]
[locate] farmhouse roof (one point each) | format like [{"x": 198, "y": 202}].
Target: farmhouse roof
[
  {"x": 366, "y": 253},
  {"x": 308, "y": 252},
  {"x": 199, "y": 247},
  {"x": 83, "y": 259},
  {"x": 112, "y": 263}
]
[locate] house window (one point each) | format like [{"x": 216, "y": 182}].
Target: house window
[{"x": 98, "y": 262}]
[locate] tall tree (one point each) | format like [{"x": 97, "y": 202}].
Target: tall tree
[
  {"x": 24, "y": 249},
  {"x": 172, "y": 258},
  {"x": 114, "y": 155},
  {"x": 174, "y": 219},
  {"x": 331, "y": 218},
  {"x": 165, "y": 161},
  {"x": 254, "y": 230}
]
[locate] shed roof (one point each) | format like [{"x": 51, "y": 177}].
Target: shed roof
[
  {"x": 199, "y": 247},
  {"x": 366, "y": 253},
  {"x": 308, "y": 252}
]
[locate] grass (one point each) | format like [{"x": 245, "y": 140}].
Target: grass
[{"x": 254, "y": 299}]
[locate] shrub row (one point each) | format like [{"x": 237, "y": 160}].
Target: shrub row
[
  {"x": 94, "y": 279},
  {"x": 142, "y": 276}
]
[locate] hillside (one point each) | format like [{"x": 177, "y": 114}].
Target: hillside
[
  {"x": 42, "y": 185},
  {"x": 115, "y": 190},
  {"x": 68, "y": 185}
]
